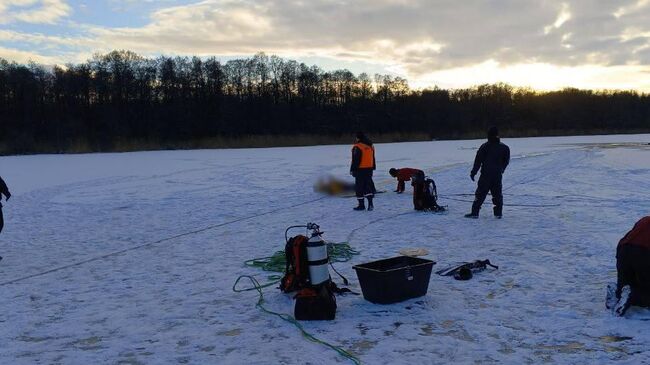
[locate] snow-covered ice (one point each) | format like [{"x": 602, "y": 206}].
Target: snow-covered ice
[{"x": 172, "y": 301}]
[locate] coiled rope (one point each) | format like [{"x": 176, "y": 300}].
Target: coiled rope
[
  {"x": 338, "y": 252},
  {"x": 290, "y": 319}
]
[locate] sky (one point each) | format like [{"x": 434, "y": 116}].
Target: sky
[{"x": 543, "y": 44}]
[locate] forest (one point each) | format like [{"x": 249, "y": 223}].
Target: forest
[{"x": 123, "y": 101}]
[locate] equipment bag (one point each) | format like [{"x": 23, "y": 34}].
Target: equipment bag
[
  {"x": 425, "y": 194},
  {"x": 296, "y": 273},
  {"x": 466, "y": 271},
  {"x": 315, "y": 304}
]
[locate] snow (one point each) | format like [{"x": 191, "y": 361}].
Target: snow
[{"x": 169, "y": 300}]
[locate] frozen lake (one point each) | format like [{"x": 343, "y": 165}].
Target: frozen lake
[{"x": 99, "y": 265}]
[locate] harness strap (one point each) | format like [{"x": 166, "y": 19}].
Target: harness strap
[{"x": 345, "y": 281}]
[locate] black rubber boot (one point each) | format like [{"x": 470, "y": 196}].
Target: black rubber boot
[
  {"x": 474, "y": 213},
  {"x": 361, "y": 206},
  {"x": 498, "y": 212},
  {"x": 370, "y": 205}
]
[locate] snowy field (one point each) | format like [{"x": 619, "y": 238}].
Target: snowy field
[{"x": 91, "y": 275}]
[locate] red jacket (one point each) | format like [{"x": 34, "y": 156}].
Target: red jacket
[
  {"x": 639, "y": 235},
  {"x": 405, "y": 174}
]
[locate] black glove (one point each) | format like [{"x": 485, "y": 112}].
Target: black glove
[
  {"x": 351, "y": 173},
  {"x": 471, "y": 176},
  {"x": 8, "y": 195}
]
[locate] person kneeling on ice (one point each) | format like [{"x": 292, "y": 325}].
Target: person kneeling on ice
[
  {"x": 492, "y": 158},
  {"x": 363, "y": 164},
  {"x": 633, "y": 267},
  {"x": 403, "y": 175}
]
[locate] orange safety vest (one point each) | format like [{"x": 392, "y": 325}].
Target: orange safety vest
[{"x": 367, "y": 156}]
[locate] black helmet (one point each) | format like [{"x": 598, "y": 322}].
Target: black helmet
[{"x": 392, "y": 171}]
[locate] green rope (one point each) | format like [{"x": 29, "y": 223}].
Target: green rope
[
  {"x": 341, "y": 252},
  {"x": 338, "y": 252},
  {"x": 290, "y": 319},
  {"x": 275, "y": 263}
]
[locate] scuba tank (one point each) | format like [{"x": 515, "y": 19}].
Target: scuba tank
[
  {"x": 306, "y": 259},
  {"x": 316, "y": 301},
  {"x": 307, "y": 272},
  {"x": 317, "y": 257}
]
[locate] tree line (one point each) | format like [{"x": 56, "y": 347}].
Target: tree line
[{"x": 122, "y": 96}]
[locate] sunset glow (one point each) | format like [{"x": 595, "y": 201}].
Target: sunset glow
[{"x": 544, "y": 45}]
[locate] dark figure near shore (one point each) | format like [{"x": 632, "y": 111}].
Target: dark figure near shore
[
  {"x": 633, "y": 267},
  {"x": 4, "y": 190},
  {"x": 492, "y": 158},
  {"x": 403, "y": 175},
  {"x": 362, "y": 166}
]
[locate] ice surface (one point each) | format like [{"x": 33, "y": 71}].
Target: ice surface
[{"x": 171, "y": 302}]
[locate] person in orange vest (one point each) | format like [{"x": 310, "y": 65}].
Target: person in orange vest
[
  {"x": 363, "y": 164},
  {"x": 403, "y": 175},
  {"x": 633, "y": 267}
]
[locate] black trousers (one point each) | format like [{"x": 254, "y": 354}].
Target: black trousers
[
  {"x": 493, "y": 185},
  {"x": 633, "y": 267},
  {"x": 363, "y": 184}
]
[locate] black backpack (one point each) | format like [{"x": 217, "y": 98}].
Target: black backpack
[
  {"x": 466, "y": 270},
  {"x": 316, "y": 303}
]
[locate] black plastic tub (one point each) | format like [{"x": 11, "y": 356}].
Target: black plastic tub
[{"x": 394, "y": 280}]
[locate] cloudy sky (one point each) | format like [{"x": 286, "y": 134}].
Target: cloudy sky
[{"x": 544, "y": 44}]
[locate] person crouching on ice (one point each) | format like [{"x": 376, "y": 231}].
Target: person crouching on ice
[
  {"x": 403, "y": 175},
  {"x": 633, "y": 267},
  {"x": 492, "y": 158},
  {"x": 363, "y": 164}
]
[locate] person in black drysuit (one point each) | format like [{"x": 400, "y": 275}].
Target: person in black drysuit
[
  {"x": 492, "y": 158},
  {"x": 362, "y": 166},
  {"x": 4, "y": 190}
]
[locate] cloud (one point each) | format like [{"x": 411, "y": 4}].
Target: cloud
[
  {"x": 542, "y": 76},
  {"x": 419, "y": 35},
  {"x": 33, "y": 11},
  {"x": 44, "y": 40},
  {"x": 199, "y": 28},
  {"x": 415, "y": 38},
  {"x": 630, "y": 8},
  {"x": 562, "y": 17},
  {"x": 24, "y": 57}
]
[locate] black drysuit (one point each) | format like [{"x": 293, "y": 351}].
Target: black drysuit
[
  {"x": 4, "y": 191},
  {"x": 633, "y": 268},
  {"x": 492, "y": 158}
]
